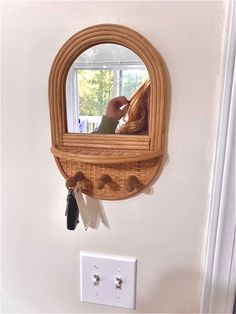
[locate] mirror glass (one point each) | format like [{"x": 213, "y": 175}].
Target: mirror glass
[{"x": 97, "y": 76}]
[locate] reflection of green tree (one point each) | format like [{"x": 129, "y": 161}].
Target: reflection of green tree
[
  {"x": 132, "y": 81},
  {"x": 95, "y": 91},
  {"x": 96, "y": 88}
]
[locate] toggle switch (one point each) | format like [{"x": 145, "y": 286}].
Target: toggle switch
[
  {"x": 96, "y": 280},
  {"x": 118, "y": 282},
  {"x": 108, "y": 279}
]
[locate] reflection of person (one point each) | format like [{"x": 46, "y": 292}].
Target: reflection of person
[{"x": 137, "y": 110}]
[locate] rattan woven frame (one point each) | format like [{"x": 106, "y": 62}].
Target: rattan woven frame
[{"x": 118, "y": 156}]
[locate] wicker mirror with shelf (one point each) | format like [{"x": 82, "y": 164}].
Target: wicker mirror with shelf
[{"x": 118, "y": 164}]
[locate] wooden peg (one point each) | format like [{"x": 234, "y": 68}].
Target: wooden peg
[
  {"x": 100, "y": 183},
  {"x": 79, "y": 176},
  {"x": 132, "y": 183},
  {"x": 72, "y": 181}
]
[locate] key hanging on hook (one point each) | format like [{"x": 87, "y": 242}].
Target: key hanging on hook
[
  {"x": 72, "y": 208},
  {"x": 72, "y": 211}
]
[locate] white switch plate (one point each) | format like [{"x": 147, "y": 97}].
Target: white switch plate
[{"x": 107, "y": 267}]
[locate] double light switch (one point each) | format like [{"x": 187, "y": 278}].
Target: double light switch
[{"x": 108, "y": 279}]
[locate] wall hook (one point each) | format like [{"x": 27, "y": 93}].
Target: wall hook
[
  {"x": 72, "y": 181},
  {"x": 100, "y": 183},
  {"x": 132, "y": 183}
]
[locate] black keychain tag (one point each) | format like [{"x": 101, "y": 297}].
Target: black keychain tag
[{"x": 72, "y": 211}]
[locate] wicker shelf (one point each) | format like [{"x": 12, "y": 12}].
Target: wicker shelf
[{"x": 101, "y": 155}]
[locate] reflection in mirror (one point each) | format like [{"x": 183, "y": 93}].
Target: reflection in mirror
[{"x": 103, "y": 87}]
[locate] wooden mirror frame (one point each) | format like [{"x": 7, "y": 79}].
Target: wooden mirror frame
[{"x": 118, "y": 156}]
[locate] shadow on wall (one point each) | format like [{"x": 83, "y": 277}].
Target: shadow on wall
[
  {"x": 177, "y": 292},
  {"x": 96, "y": 213}
]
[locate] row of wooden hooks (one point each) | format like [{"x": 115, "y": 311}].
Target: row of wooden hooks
[{"x": 131, "y": 183}]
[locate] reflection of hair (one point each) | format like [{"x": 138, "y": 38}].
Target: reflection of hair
[{"x": 137, "y": 114}]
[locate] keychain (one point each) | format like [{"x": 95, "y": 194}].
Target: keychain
[
  {"x": 72, "y": 211},
  {"x": 75, "y": 203}
]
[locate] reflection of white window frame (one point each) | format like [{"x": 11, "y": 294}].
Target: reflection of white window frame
[
  {"x": 72, "y": 95},
  {"x": 72, "y": 109}
]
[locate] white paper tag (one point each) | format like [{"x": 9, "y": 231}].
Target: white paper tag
[{"x": 82, "y": 206}]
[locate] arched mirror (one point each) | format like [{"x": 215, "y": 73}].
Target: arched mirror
[
  {"x": 100, "y": 74},
  {"x": 107, "y": 97}
]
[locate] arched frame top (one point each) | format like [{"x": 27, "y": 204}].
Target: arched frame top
[{"x": 80, "y": 147}]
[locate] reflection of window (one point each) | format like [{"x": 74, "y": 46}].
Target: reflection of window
[{"x": 91, "y": 86}]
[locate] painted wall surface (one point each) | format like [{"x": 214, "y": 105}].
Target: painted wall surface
[{"x": 164, "y": 227}]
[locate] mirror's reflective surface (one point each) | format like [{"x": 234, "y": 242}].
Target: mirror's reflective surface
[{"x": 103, "y": 93}]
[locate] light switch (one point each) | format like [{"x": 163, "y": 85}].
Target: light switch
[{"x": 108, "y": 279}]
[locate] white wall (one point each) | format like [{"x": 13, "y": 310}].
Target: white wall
[{"x": 164, "y": 228}]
